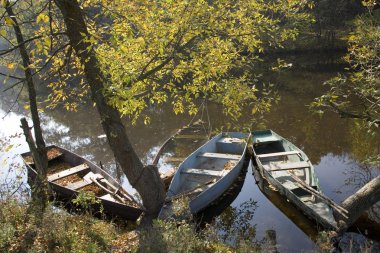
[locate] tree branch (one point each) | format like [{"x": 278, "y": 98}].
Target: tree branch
[
  {"x": 166, "y": 61},
  {"x": 7, "y": 51},
  {"x": 347, "y": 114}
]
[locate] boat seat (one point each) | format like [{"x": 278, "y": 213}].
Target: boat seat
[
  {"x": 79, "y": 184},
  {"x": 174, "y": 159},
  {"x": 220, "y": 155},
  {"x": 202, "y": 172},
  {"x": 288, "y": 166},
  {"x": 265, "y": 139},
  {"x": 74, "y": 170},
  {"x": 108, "y": 197},
  {"x": 293, "y": 152},
  {"x": 191, "y": 136}
]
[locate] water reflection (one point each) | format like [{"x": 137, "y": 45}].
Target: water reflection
[{"x": 335, "y": 147}]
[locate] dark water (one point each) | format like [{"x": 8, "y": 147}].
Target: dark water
[{"x": 334, "y": 146}]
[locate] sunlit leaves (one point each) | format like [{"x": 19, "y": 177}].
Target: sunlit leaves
[
  {"x": 187, "y": 50},
  {"x": 357, "y": 93},
  {"x": 42, "y": 17},
  {"x": 9, "y": 21}
]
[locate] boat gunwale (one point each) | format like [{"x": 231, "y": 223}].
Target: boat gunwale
[
  {"x": 308, "y": 211},
  {"x": 246, "y": 136},
  {"x": 93, "y": 168}
]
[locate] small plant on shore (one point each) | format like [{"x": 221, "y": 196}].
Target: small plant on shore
[{"x": 86, "y": 200}]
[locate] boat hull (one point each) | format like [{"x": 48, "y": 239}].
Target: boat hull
[
  {"x": 65, "y": 194},
  {"x": 280, "y": 177},
  {"x": 220, "y": 161}
]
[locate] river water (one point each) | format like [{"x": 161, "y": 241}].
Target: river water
[{"x": 333, "y": 145}]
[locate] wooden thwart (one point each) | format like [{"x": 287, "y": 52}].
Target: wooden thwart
[
  {"x": 79, "y": 184},
  {"x": 279, "y": 154},
  {"x": 197, "y": 189},
  {"x": 289, "y": 166},
  {"x": 220, "y": 155},
  {"x": 68, "y": 172},
  {"x": 174, "y": 159},
  {"x": 191, "y": 136},
  {"x": 202, "y": 172}
]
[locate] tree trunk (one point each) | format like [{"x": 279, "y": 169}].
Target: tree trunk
[
  {"x": 145, "y": 179},
  {"x": 358, "y": 203},
  {"x": 39, "y": 195}
]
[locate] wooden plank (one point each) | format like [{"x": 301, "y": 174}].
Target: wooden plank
[
  {"x": 220, "y": 155},
  {"x": 68, "y": 172},
  {"x": 108, "y": 197},
  {"x": 289, "y": 166},
  {"x": 202, "y": 172},
  {"x": 79, "y": 184},
  {"x": 174, "y": 159},
  {"x": 190, "y": 136},
  {"x": 198, "y": 189},
  {"x": 279, "y": 154}
]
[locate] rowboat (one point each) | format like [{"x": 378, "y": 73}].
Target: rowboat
[
  {"x": 290, "y": 172},
  {"x": 69, "y": 173},
  {"x": 293, "y": 213},
  {"x": 178, "y": 146},
  {"x": 208, "y": 172}
]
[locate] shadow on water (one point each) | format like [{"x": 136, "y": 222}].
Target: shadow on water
[
  {"x": 217, "y": 207},
  {"x": 295, "y": 215}
]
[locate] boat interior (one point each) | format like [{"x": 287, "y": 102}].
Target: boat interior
[
  {"x": 291, "y": 168},
  {"x": 205, "y": 168},
  {"x": 284, "y": 162},
  {"x": 72, "y": 172}
]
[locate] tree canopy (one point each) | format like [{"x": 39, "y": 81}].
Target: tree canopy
[
  {"x": 159, "y": 51},
  {"x": 355, "y": 94}
]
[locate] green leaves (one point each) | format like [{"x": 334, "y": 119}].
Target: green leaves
[
  {"x": 356, "y": 94},
  {"x": 188, "y": 49},
  {"x": 9, "y": 21},
  {"x": 42, "y": 18},
  {"x": 4, "y": 3}
]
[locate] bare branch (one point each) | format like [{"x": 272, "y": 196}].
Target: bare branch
[
  {"x": 15, "y": 101},
  {"x": 7, "y": 51},
  {"x": 11, "y": 76}
]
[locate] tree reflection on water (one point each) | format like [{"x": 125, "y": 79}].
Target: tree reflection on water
[{"x": 235, "y": 224}]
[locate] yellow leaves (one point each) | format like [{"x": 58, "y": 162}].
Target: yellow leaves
[
  {"x": 3, "y": 32},
  {"x": 189, "y": 54},
  {"x": 10, "y": 65},
  {"x": 42, "y": 18},
  {"x": 146, "y": 120},
  {"x": 9, "y": 21},
  {"x": 4, "y": 3}
]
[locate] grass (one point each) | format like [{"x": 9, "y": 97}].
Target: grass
[
  {"x": 64, "y": 232},
  {"x": 60, "y": 231}
]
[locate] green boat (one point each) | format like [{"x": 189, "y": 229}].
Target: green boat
[{"x": 290, "y": 172}]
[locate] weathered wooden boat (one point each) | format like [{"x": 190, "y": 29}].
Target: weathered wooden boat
[
  {"x": 178, "y": 146},
  {"x": 69, "y": 173},
  {"x": 289, "y": 170},
  {"x": 208, "y": 172}
]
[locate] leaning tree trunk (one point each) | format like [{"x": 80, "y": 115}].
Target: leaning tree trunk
[
  {"x": 145, "y": 179},
  {"x": 358, "y": 203},
  {"x": 39, "y": 187}
]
